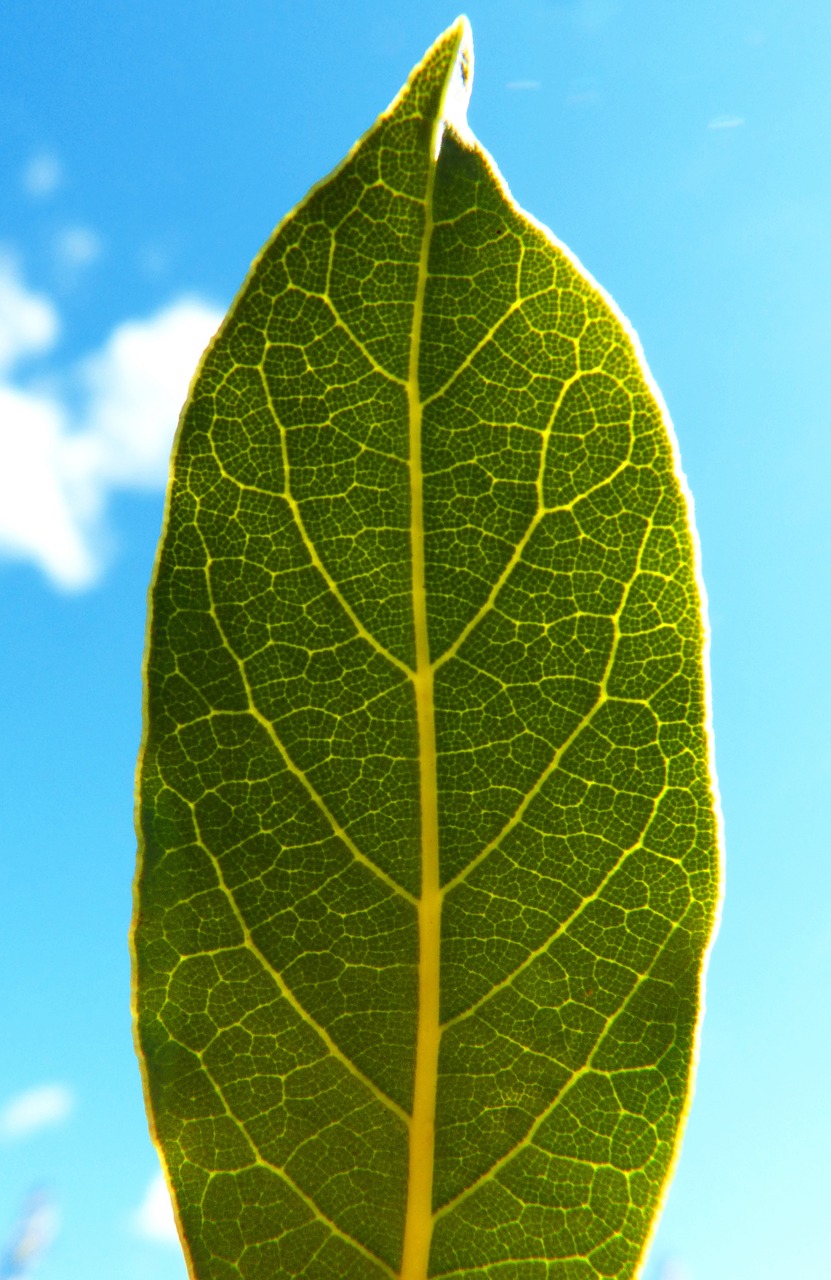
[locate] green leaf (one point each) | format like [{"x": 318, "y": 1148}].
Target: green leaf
[{"x": 428, "y": 864}]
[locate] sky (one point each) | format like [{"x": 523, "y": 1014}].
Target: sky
[{"x": 146, "y": 152}]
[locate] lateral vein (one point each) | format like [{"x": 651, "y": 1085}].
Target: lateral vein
[
  {"x": 294, "y": 507},
  {"x": 558, "y": 932},
  {"x": 577, "y": 1075},
  {"x": 283, "y": 1173},
  {"x": 541, "y": 512},
  {"x": 282, "y": 985},
  {"x": 255, "y": 713},
  {"x": 583, "y": 723}
]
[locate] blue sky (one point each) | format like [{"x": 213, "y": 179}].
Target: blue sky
[{"x": 146, "y": 152}]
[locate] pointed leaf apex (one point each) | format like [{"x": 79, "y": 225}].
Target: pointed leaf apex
[{"x": 460, "y": 82}]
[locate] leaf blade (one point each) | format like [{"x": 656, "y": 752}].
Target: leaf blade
[{"x": 425, "y": 622}]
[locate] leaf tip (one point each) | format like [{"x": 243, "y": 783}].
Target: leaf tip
[{"x": 459, "y": 84}]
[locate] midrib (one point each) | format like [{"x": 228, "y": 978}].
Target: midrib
[{"x": 418, "y": 1222}]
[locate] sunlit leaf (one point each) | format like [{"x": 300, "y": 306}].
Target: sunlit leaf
[{"x": 428, "y": 865}]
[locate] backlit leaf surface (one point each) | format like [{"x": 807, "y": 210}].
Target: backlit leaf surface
[{"x": 427, "y": 866}]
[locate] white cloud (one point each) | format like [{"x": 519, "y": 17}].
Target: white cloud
[
  {"x": 135, "y": 388},
  {"x": 43, "y": 1107},
  {"x": 523, "y": 84},
  {"x": 61, "y": 455},
  {"x": 78, "y": 247},
  {"x": 28, "y": 321},
  {"x": 153, "y": 1220},
  {"x": 43, "y": 517},
  {"x": 725, "y": 122},
  {"x": 42, "y": 175}
]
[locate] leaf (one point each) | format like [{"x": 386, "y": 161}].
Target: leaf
[{"x": 425, "y": 821}]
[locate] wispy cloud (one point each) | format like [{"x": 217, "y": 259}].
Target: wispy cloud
[
  {"x": 583, "y": 92},
  {"x": 522, "y": 85},
  {"x": 153, "y": 260},
  {"x": 593, "y": 15},
  {"x": 153, "y": 1219},
  {"x": 77, "y": 247},
  {"x": 34, "y": 1233},
  {"x": 43, "y": 1107},
  {"x": 109, "y": 425},
  {"x": 725, "y": 122},
  {"x": 42, "y": 175},
  {"x": 674, "y": 1269}
]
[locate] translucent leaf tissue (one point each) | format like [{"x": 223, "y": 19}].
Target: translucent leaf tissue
[{"x": 428, "y": 843}]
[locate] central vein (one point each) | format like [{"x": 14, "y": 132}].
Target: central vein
[{"x": 418, "y": 1223}]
